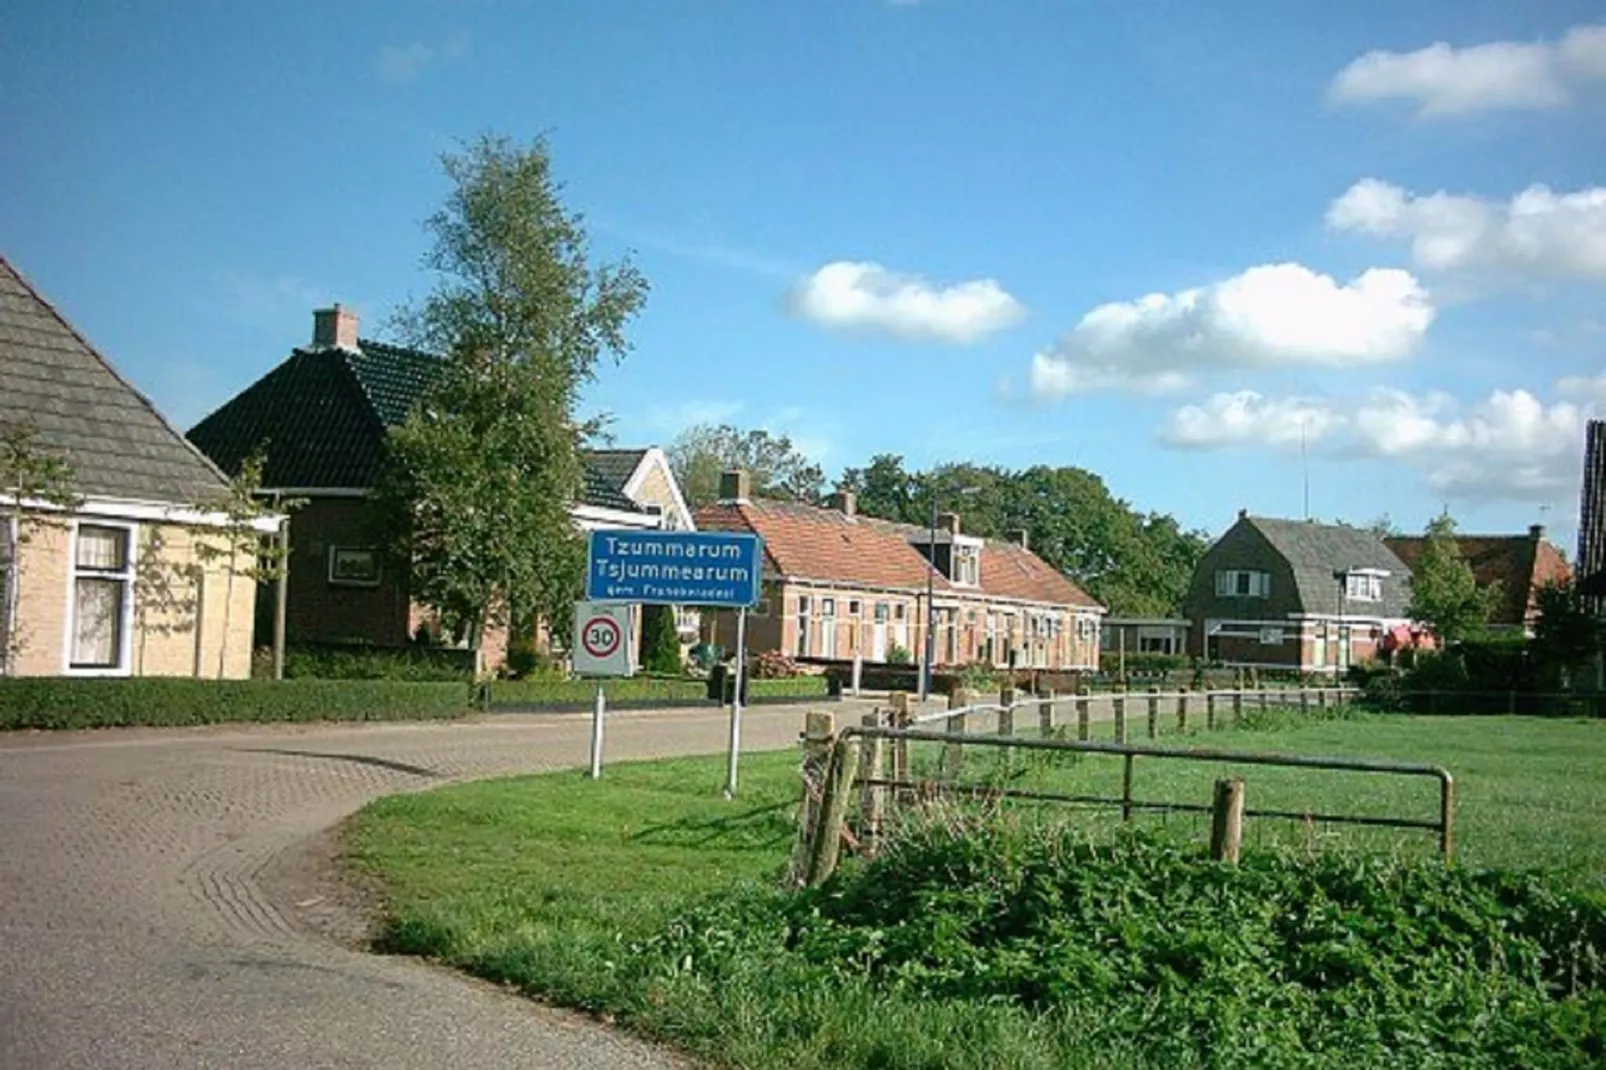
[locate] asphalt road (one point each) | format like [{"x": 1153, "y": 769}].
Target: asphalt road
[{"x": 156, "y": 908}]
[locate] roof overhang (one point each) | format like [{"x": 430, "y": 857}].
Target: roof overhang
[
  {"x": 594, "y": 516},
  {"x": 151, "y": 512}
]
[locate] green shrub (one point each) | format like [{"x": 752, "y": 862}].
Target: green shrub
[
  {"x": 337, "y": 661},
  {"x": 1145, "y": 952},
  {"x": 660, "y": 640},
  {"x": 789, "y": 687},
  {"x": 1143, "y": 664},
  {"x": 515, "y": 694},
  {"x": 56, "y": 702},
  {"x": 898, "y": 655}
]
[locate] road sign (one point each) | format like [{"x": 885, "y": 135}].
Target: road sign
[
  {"x": 678, "y": 568},
  {"x": 602, "y": 644}
]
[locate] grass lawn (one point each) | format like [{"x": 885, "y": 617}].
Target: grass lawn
[{"x": 547, "y": 881}]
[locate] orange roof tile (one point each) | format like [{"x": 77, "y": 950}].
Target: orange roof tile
[
  {"x": 809, "y": 542},
  {"x": 1520, "y": 564}
]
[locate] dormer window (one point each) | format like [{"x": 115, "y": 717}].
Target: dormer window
[
  {"x": 967, "y": 566},
  {"x": 1364, "y": 585}
]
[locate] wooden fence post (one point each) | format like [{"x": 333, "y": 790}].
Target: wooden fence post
[
  {"x": 1237, "y": 708},
  {"x": 1083, "y": 728},
  {"x": 1263, "y": 701},
  {"x": 1120, "y": 718},
  {"x": 901, "y": 718},
  {"x": 1154, "y": 714},
  {"x": 953, "y": 754},
  {"x": 1227, "y": 821},
  {"x": 1210, "y": 711},
  {"x": 833, "y": 809},
  {"x": 1182, "y": 710},
  {"x": 1045, "y": 714},
  {"x": 819, "y": 732},
  {"x": 1304, "y": 702},
  {"x": 871, "y": 803},
  {"x": 1321, "y": 699}
]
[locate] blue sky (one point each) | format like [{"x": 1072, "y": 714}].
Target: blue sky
[{"x": 1157, "y": 240}]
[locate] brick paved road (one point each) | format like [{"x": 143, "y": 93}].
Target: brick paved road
[{"x": 141, "y": 923}]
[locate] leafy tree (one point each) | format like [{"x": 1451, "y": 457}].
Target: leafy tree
[
  {"x": 478, "y": 480},
  {"x": 660, "y": 640},
  {"x": 32, "y": 474},
  {"x": 1138, "y": 564},
  {"x": 1566, "y": 633},
  {"x": 701, "y": 454},
  {"x": 1444, "y": 592}
]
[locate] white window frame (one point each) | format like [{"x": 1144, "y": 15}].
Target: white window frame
[
  {"x": 1363, "y": 587},
  {"x": 804, "y": 646},
  {"x": 8, "y": 590},
  {"x": 125, "y": 646},
  {"x": 1227, "y": 583},
  {"x": 966, "y": 565}
]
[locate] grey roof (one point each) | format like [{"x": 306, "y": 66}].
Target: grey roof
[
  {"x": 615, "y": 465},
  {"x": 1314, "y": 551},
  {"x": 118, "y": 444}
]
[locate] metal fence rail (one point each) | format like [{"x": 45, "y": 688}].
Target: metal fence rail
[{"x": 901, "y": 781}]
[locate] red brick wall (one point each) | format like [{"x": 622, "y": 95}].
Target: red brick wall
[{"x": 319, "y": 611}]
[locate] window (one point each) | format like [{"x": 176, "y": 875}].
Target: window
[
  {"x": 102, "y": 582},
  {"x": 967, "y": 566},
  {"x": 6, "y": 570},
  {"x": 1085, "y": 628},
  {"x": 1363, "y": 587},
  {"x": 804, "y": 610},
  {"x": 1243, "y": 583},
  {"x": 899, "y": 611},
  {"x": 855, "y": 609},
  {"x": 881, "y": 612},
  {"x": 353, "y": 566},
  {"x": 1271, "y": 637},
  {"x": 828, "y": 607}
]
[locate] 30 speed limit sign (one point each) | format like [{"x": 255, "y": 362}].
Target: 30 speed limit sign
[{"x": 602, "y": 643}]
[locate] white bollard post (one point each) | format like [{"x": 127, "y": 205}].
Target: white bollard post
[{"x": 858, "y": 673}]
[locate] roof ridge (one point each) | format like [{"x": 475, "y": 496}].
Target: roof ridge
[{"x": 112, "y": 369}]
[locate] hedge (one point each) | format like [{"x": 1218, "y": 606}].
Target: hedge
[
  {"x": 57, "y": 702},
  {"x": 641, "y": 690}
]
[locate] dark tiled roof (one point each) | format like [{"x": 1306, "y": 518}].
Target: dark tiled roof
[
  {"x": 118, "y": 444},
  {"x": 1315, "y": 551},
  {"x": 322, "y": 416},
  {"x": 809, "y": 542},
  {"x": 616, "y": 466},
  {"x": 1519, "y": 564}
]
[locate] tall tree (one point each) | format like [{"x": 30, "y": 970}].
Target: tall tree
[
  {"x": 1135, "y": 563},
  {"x": 1444, "y": 591},
  {"x": 700, "y": 454},
  {"x": 478, "y": 480},
  {"x": 1566, "y": 634},
  {"x": 33, "y": 474}
]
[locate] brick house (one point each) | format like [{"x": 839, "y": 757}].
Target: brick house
[
  {"x": 323, "y": 414},
  {"x": 118, "y": 586},
  {"x": 1519, "y": 565},
  {"x": 839, "y": 585},
  {"x": 1295, "y": 594}
]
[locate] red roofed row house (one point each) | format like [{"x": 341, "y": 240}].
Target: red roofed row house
[{"x": 839, "y": 585}]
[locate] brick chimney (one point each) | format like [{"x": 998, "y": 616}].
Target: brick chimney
[
  {"x": 334, "y": 328},
  {"x": 1022, "y": 538},
  {"x": 1243, "y": 514},
  {"x": 844, "y": 502},
  {"x": 1536, "y": 532},
  {"x": 948, "y": 522},
  {"x": 735, "y": 486}
]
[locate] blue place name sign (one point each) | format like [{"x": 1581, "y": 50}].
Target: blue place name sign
[{"x": 682, "y": 568}]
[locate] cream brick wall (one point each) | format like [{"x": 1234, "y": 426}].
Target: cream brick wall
[
  {"x": 41, "y": 621},
  {"x": 656, "y": 489},
  {"x": 170, "y": 594}
]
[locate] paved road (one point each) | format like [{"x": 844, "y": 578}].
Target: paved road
[{"x": 148, "y": 916}]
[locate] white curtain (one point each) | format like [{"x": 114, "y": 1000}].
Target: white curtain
[{"x": 98, "y": 612}]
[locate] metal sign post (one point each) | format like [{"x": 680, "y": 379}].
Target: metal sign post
[
  {"x": 736, "y": 703},
  {"x": 601, "y": 649}
]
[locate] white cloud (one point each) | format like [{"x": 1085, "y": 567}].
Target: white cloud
[
  {"x": 1275, "y": 315},
  {"x": 1247, "y": 418},
  {"x": 1509, "y": 445},
  {"x": 863, "y": 295},
  {"x": 404, "y": 63},
  {"x": 1442, "y": 80},
  {"x": 1538, "y": 232}
]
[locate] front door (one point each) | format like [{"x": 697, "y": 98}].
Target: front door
[
  {"x": 828, "y": 627},
  {"x": 878, "y": 633}
]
